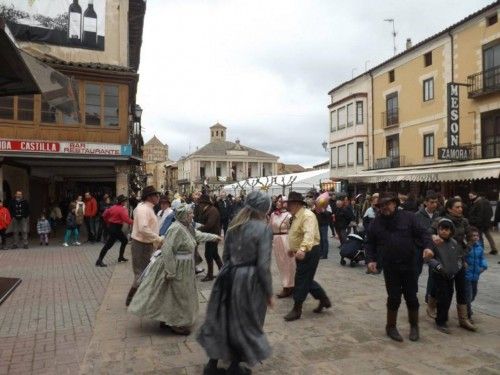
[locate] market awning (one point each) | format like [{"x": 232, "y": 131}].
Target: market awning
[
  {"x": 22, "y": 74},
  {"x": 472, "y": 170}
]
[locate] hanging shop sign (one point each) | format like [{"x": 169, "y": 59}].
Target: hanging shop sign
[
  {"x": 72, "y": 23},
  {"x": 80, "y": 148}
]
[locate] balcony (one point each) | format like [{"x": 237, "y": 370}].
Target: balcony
[
  {"x": 390, "y": 118},
  {"x": 484, "y": 83},
  {"x": 389, "y": 162}
]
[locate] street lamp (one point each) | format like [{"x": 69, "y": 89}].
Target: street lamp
[
  {"x": 324, "y": 144},
  {"x": 138, "y": 112}
]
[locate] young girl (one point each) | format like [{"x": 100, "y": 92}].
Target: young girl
[
  {"x": 71, "y": 228},
  {"x": 476, "y": 264},
  {"x": 5, "y": 220},
  {"x": 43, "y": 229}
]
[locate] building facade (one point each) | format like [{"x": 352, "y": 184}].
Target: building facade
[
  {"x": 52, "y": 157},
  {"x": 220, "y": 162},
  {"x": 435, "y": 113}
]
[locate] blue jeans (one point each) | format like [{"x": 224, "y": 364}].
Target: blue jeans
[
  {"x": 470, "y": 293},
  {"x": 323, "y": 236}
]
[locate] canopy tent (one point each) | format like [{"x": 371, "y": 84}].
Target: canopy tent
[{"x": 281, "y": 184}]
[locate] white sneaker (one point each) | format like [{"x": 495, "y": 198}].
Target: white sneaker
[
  {"x": 77, "y": 243},
  {"x": 65, "y": 244}
]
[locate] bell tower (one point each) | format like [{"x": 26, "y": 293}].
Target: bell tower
[{"x": 217, "y": 133}]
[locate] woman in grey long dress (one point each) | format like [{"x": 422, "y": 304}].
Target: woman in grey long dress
[{"x": 233, "y": 329}]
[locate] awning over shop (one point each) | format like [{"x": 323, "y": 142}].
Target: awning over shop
[{"x": 472, "y": 170}]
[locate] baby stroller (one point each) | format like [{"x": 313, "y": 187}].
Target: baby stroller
[{"x": 352, "y": 249}]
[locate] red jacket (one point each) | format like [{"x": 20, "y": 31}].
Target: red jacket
[
  {"x": 116, "y": 214},
  {"x": 90, "y": 207},
  {"x": 5, "y": 218}
]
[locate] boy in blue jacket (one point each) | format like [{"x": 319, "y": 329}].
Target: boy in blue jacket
[{"x": 475, "y": 265}]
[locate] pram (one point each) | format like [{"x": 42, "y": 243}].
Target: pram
[{"x": 352, "y": 249}]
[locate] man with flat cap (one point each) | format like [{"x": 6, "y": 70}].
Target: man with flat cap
[
  {"x": 145, "y": 237},
  {"x": 304, "y": 240},
  {"x": 114, "y": 217}
]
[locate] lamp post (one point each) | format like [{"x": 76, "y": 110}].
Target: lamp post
[{"x": 324, "y": 144}]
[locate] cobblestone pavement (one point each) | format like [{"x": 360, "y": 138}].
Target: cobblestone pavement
[{"x": 69, "y": 316}]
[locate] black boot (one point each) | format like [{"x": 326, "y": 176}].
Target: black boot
[
  {"x": 390, "y": 328},
  {"x": 236, "y": 369},
  {"x": 210, "y": 272},
  {"x": 99, "y": 263},
  {"x": 130, "y": 296},
  {"x": 324, "y": 303},
  {"x": 413, "y": 319},
  {"x": 122, "y": 259},
  {"x": 295, "y": 313},
  {"x": 211, "y": 368}
]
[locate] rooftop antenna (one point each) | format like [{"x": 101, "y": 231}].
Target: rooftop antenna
[{"x": 391, "y": 20}]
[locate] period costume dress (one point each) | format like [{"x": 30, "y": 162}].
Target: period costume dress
[
  {"x": 280, "y": 223},
  {"x": 233, "y": 329},
  {"x": 168, "y": 293}
]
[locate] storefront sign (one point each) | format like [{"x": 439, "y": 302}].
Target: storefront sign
[
  {"x": 81, "y": 148},
  {"x": 453, "y": 115},
  {"x": 454, "y": 153}
]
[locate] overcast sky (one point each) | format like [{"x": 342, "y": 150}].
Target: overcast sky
[{"x": 263, "y": 68}]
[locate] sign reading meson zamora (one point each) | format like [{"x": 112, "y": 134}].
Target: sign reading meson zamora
[{"x": 105, "y": 149}]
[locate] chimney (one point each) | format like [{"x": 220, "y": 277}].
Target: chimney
[{"x": 408, "y": 43}]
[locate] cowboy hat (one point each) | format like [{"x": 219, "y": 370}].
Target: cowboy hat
[
  {"x": 149, "y": 190},
  {"x": 387, "y": 197},
  {"x": 293, "y": 196}
]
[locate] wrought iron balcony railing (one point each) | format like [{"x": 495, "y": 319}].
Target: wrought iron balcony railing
[
  {"x": 389, "y": 162},
  {"x": 483, "y": 83},
  {"x": 390, "y": 118}
]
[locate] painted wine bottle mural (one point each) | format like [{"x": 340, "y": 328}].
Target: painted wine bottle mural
[
  {"x": 72, "y": 23},
  {"x": 90, "y": 25},
  {"x": 75, "y": 23}
]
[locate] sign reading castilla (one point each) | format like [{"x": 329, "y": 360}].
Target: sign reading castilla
[
  {"x": 85, "y": 148},
  {"x": 454, "y": 151}
]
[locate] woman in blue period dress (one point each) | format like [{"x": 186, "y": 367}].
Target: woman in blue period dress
[
  {"x": 168, "y": 293},
  {"x": 233, "y": 329}
]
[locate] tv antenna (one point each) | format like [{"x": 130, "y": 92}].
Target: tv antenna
[{"x": 391, "y": 20}]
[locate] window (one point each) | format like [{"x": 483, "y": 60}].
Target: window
[
  {"x": 341, "y": 118},
  {"x": 428, "y": 145},
  {"x": 25, "y": 107},
  {"x": 217, "y": 171},
  {"x": 491, "y": 20},
  {"x": 428, "y": 59},
  {"x": 490, "y": 133},
  {"x": 217, "y": 133},
  {"x": 359, "y": 113},
  {"x": 392, "y": 146},
  {"x": 350, "y": 114},
  {"x": 491, "y": 61},
  {"x": 360, "y": 157},
  {"x": 92, "y": 104},
  {"x": 333, "y": 121},
  {"x": 48, "y": 113},
  {"x": 333, "y": 157},
  {"x": 7, "y": 107},
  {"x": 341, "y": 156},
  {"x": 111, "y": 105},
  {"x": 222, "y": 133},
  {"x": 428, "y": 89},
  {"x": 391, "y": 76},
  {"x": 350, "y": 154},
  {"x": 392, "y": 114},
  {"x": 202, "y": 172}
]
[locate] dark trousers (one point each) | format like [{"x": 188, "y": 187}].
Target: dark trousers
[
  {"x": 487, "y": 234},
  {"x": 115, "y": 233},
  {"x": 444, "y": 293},
  {"x": 3, "y": 236},
  {"x": 431, "y": 286},
  {"x": 332, "y": 228},
  {"x": 323, "y": 235},
  {"x": 304, "y": 277},
  {"x": 470, "y": 293},
  {"x": 101, "y": 230},
  {"x": 342, "y": 233},
  {"x": 401, "y": 279},
  {"x": 90, "y": 225},
  {"x": 224, "y": 223},
  {"x": 212, "y": 254}
]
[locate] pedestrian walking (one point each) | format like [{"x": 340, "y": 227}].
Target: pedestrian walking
[
  {"x": 71, "y": 229},
  {"x": 233, "y": 327},
  {"x": 304, "y": 241},
  {"x": 43, "y": 229},
  {"x": 5, "y": 220},
  {"x": 101, "y": 227},
  {"x": 224, "y": 205},
  {"x": 20, "y": 212},
  {"x": 114, "y": 218},
  {"x": 90, "y": 216},
  {"x": 395, "y": 233},
  {"x": 280, "y": 224},
  {"x": 344, "y": 216},
  {"x": 168, "y": 293},
  {"x": 210, "y": 220},
  {"x": 145, "y": 237},
  {"x": 480, "y": 216}
]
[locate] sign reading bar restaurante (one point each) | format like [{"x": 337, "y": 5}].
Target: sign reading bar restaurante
[
  {"x": 454, "y": 151},
  {"x": 82, "y": 148}
]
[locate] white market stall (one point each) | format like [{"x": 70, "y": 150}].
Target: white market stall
[{"x": 274, "y": 185}]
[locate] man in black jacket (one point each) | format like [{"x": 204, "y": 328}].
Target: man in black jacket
[
  {"x": 395, "y": 233},
  {"x": 344, "y": 215},
  {"x": 224, "y": 205},
  {"x": 480, "y": 215},
  {"x": 20, "y": 212},
  {"x": 210, "y": 220}
]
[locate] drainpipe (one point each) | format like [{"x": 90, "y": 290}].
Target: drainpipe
[{"x": 372, "y": 124}]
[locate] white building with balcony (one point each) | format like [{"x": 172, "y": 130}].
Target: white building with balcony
[{"x": 220, "y": 162}]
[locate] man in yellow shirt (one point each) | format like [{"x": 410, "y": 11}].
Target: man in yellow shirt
[{"x": 304, "y": 240}]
